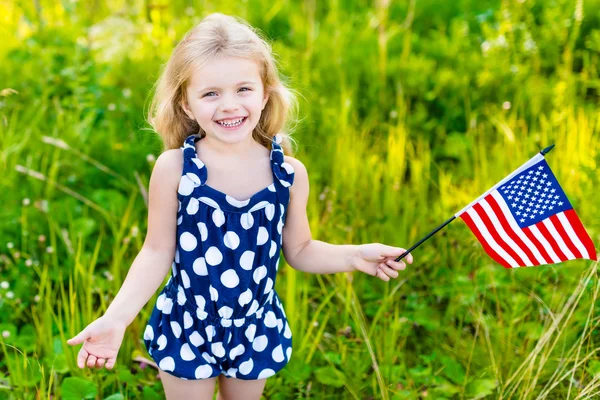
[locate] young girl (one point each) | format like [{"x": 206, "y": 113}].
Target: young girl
[{"x": 222, "y": 199}]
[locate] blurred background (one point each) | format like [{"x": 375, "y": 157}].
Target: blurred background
[{"x": 409, "y": 110}]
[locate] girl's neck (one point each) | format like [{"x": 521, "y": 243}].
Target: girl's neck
[{"x": 246, "y": 149}]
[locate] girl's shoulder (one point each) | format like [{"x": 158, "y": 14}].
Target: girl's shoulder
[{"x": 168, "y": 168}]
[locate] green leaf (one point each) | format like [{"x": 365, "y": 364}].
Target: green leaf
[
  {"x": 150, "y": 394},
  {"x": 74, "y": 388},
  {"x": 330, "y": 376},
  {"x": 116, "y": 396},
  {"x": 453, "y": 370},
  {"x": 481, "y": 388}
]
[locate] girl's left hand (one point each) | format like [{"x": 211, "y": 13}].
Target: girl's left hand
[{"x": 377, "y": 259}]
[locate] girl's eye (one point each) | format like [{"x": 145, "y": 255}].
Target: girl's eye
[
  {"x": 245, "y": 88},
  {"x": 206, "y": 94}
]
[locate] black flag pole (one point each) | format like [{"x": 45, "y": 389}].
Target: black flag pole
[{"x": 433, "y": 232}]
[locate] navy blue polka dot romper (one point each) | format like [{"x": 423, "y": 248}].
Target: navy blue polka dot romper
[{"x": 219, "y": 311}]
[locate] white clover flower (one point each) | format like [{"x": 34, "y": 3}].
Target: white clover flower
[
  {"x": 150, "y": 158},
  {"x": 4, "y": 285},
  {"x": 26, "y": 201},
  {"x": 28, "y": 262},
  {"x": 126, "y": 92},
  {"x": 10, "y": 245},
  {"x": 49, "y": 249},
  {"x": 112, "y": 107},
  {"x": 36, "y": 298},
  {"x": 506, "y": 105},
  {"x": 10, "y": 295},
  {"x": 5, "y": 334}
]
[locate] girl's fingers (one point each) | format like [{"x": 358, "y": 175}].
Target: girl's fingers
[
  {"x": 381, "y": 275},
  {"x": 81, "y": 357},
  {"x": 388, "y": 271},
  {"x": 110, "y": 363},
  {"x": 397, "y": 265},
  {"x": 91, "y": 361},
  {"x": 100, "y": 362}
]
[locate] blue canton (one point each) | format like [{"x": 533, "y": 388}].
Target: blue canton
[{"x": 534, "y": 195}]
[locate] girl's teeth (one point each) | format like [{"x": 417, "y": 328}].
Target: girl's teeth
[{"x": 236, "y": 123}]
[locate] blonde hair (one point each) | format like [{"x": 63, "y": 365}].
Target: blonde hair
[{"x": 219, "y": 35}]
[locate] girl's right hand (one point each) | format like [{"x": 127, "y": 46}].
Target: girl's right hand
[{"x": 101, "y": 342}]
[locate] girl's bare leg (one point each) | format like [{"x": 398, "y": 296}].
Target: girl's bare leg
[
  {"x": 181, "y": 389},
  {"x": 239, "y": 389}
]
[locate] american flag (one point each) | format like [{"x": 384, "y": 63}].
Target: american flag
[{"x": 527, "y": 220}]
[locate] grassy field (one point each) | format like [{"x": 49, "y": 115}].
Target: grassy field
[{"x": 420, "y": 106}]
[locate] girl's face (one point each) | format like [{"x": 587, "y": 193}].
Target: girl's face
[{"x": 226, "y": 97}]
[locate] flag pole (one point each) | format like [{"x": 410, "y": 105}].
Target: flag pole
[{"x": 433, "y": 232}]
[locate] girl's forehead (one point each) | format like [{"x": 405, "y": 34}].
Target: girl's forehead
[{"x": 225, "y": 71}]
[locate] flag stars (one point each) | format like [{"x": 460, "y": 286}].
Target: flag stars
[{"x": 545, "y": 176}]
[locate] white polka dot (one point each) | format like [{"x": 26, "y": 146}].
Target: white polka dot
[
  {"x": 239, "y": 322},
  {"x": 217, "y": 349},
  {"x": 203, "y": 231},
  {"x": 200, "y": 301},
  {"x": 245, "y": 298},
  {"x": 176, "y": 328},
  {"x": 198, "y": 162},
  {"x": 167, "y": 364},
  {"x": 180, "y": 296},
  {"x": 279, "y": 325},
  {"x": 280, "y": 226},
  {"x": 277, "y": 354},
  {"x": 188, "y": 321},
  {"x": 281, "y": 208},
  {"x": 288, "y": 353},
  {"x": 225, "y": 312},
  {"x": 210, "y": 332},
  {"x": 266, "y": 373},
  {"x": 167, "y": 306},
  {"x": 177, "y": 256},
  {"x": 270, "y": 211},
  {"x": 200, "y": 266},
  {"x": 213, "y": 256},
  {"x": 247, "y": 220},
  {"x": 246, "y": 367},
  {"x": 231, "y": 240},
  {"x": 162, "y": 342},
  {"x": 160, "y": 301},
  {"x": 201, "y": 314},
  {"x": 259, "y": 273},
  {"x": 179, "y": 220},
  {"x": 230, "y": 278},
  {"x": 236, "y": 351},
  {"x": 259, "y": 205},
  {"x": 287, "y": 332},
  {"x": 186, "y": 186},
  {"x": 203, "y": 372},
  {"x": 209, "y": 201},
  {"x": 273, "y": 249},
  {"x": 271, "y": 187},
  {"x": 278, "y": 138},
  {"x": 214, "y": 294},
  {"x": 260, "y": 343},
  {"x": 209, "y": 358},
  {"x": 179, "y": 205},
  {"x": 187, "y": 241},
  {"x": 226, "y": 322},
  {"x": 186, "y": 353},
  {"x": 185, "y": 279},
  {"x": 148, "y": 333},
  {"x": 268, "y": 285},
  {"x": 236, "y": 203},
  {"x": 250, "y": 332},
  {"x": 218, "y": 217},
  {"x": 247, "y": 260},
  {"x": 270, "y": 319},
  {"x": 262, "y": 236},
  {"x": 192, "y": 207},
  {"x": 253, "y": 308},
  {"x": 196, "y": 339}
]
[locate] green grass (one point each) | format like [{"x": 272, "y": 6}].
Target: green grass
[{"x": 419, "y": 106}]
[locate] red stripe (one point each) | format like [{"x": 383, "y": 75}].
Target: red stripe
[
  {"x": 509, "y": 230},
  {"x": 538, "y": 245},
  {"x": 565, "y": 236},
  {"x": 469, "y": 221},
  {"x": 581, "y": 233},
  {"x": 492, "y": 230},
  {"x": 546, "y": 233}
]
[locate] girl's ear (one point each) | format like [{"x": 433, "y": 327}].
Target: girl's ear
[
  {"x": 187, "y": 110},
  {"x": 265, "y": 100}
]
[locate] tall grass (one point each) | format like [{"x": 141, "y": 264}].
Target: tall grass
[{"x": 410, "y": 111}]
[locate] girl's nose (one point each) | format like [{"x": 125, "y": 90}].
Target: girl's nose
[{"x": 228, "y": 103}]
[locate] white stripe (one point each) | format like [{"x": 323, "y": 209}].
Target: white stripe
[
  {"x": 505, "y": 236},
  {"x": 571, "y": 232},
  {"x": 517, "y": 229},
  {"x": 489, "y": 239},
  {"x": 536, "y": 232},
  {"x": 533, "y": 160},
  {"x": 561, "y": 243}
]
